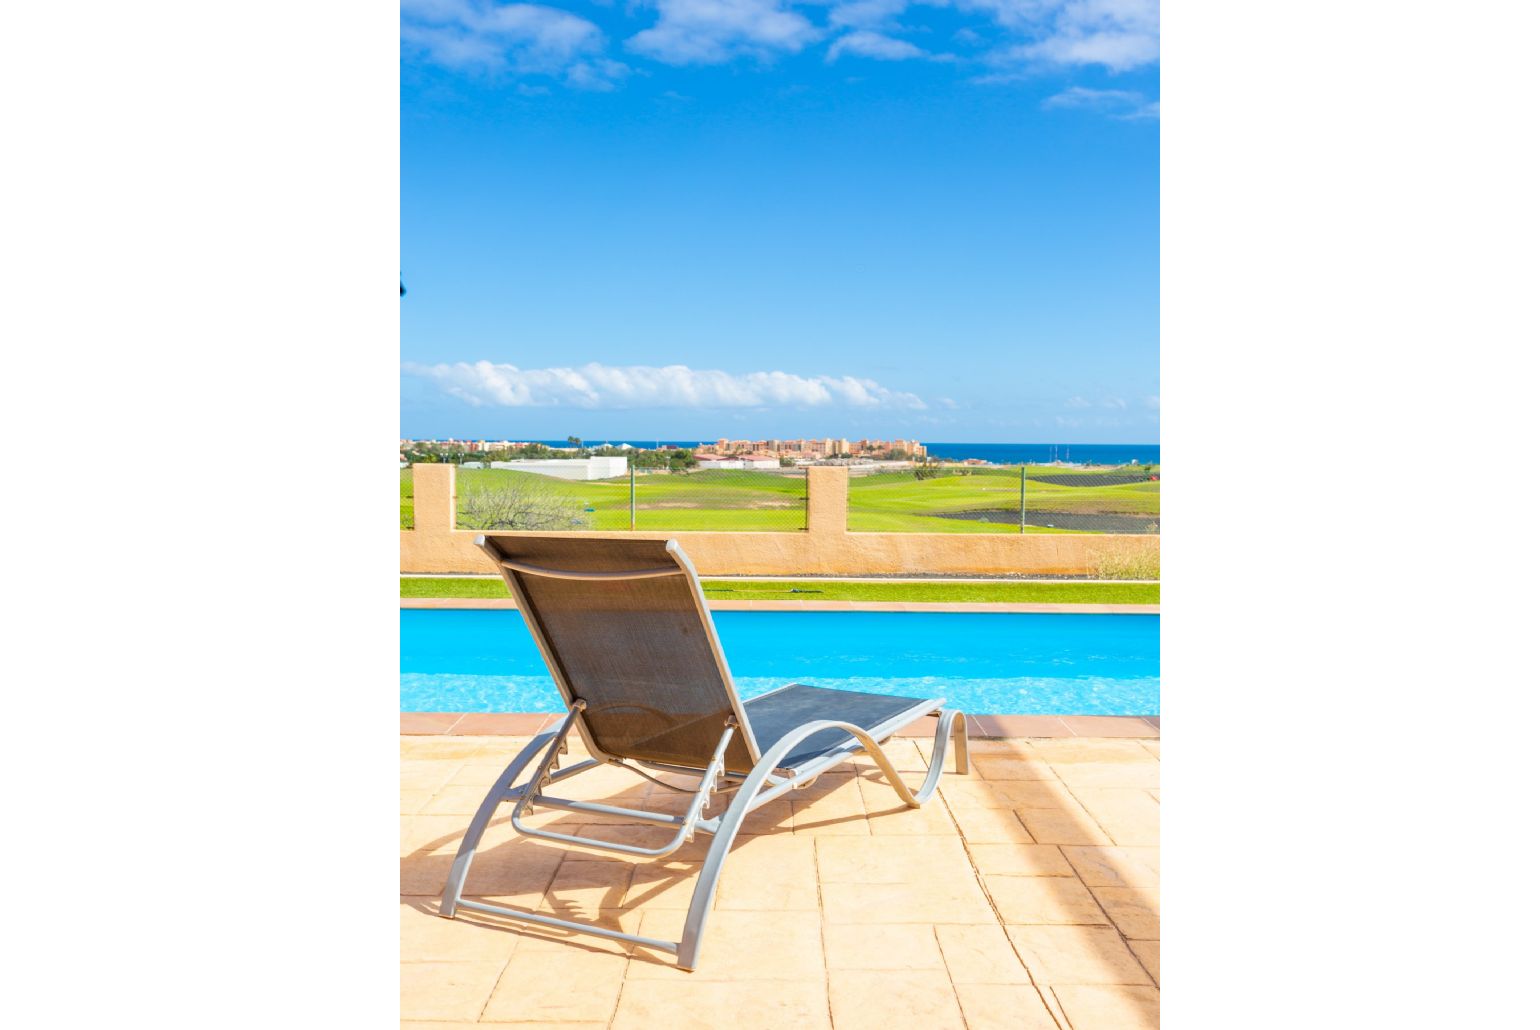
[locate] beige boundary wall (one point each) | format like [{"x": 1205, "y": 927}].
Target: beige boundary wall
[{"x": 825, "y": 549}]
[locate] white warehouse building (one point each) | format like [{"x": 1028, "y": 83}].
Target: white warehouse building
[{"x": 569, "y": 468}]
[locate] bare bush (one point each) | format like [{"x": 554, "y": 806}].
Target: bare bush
[
  {"x": 1127, "y": 561},
  {"x": 522, "y": 504}
]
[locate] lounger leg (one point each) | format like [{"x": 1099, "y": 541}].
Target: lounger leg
[
  {"x": 960, "y": 743},
  {"x": 950, "y": 725},
  {"x": 721, "y": 842},
  {"x": 472, "y": 839},
  {"x": 731, "y": 820}
]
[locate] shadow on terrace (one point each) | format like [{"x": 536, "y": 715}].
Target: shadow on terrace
[{"x": 1022, "y": 895}]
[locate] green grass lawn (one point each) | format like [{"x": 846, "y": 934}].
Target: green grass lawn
[
  {"x": 715, "y": 499},
  {"x": 900, "y": 493},
  {"x": 1078, "y": 592}
]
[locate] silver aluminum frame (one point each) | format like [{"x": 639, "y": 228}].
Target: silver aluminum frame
[{"x": 765, "y": 782}]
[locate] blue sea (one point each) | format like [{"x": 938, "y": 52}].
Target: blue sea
[
  {"x": 997, "y": 453},
  {"x": 1035, "y": 453}
]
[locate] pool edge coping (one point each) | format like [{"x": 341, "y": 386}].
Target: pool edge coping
[
  {"x": 521, "y": 724},
  {"x": 1022, "y": 607}
]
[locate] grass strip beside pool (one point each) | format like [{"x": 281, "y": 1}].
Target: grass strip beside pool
[{"x": 1034, "y": 592}]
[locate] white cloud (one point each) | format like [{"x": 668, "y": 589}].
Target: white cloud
[
  {"x": 1077, "y": 402},
  {"x": 1152, "y": 402},
  {"x": 1114, "y": 402},
  {"x": 1031, "y": 36},
  {"x": 875, "y": 45},
  {"x": 1116, "y": 34},
  {"x": 486, "y": 36},
  {"x": 865, "y": 14},
  {"x": 641, "y": 386},
  {"x": 1117, "y": 103},
  {"x": 600, "y": 74},
  {"x": 714, "y": 31}
]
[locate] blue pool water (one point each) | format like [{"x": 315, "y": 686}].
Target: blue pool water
[{"x": 982, "y": 663}]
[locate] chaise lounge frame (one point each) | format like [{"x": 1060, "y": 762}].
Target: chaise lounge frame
[{"x": 768, "y": 779}]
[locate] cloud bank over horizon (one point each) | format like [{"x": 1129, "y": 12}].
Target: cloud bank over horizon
[{"x": 596, "y": 386}]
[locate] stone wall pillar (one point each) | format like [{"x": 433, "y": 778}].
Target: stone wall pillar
[
  {"x": 433, "y": 498},
  {"x": 828, "y": 499}
]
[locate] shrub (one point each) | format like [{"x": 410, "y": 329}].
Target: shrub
[
  {"x": 526, "y": 504},
  {"x": 1127, "y": 561}
]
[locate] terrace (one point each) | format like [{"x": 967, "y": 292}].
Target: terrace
[{"x": 1024, "y": 895}]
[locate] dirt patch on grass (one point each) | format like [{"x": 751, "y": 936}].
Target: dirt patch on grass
[
  {"x": 1086, "y": 523},
  {"x": 1094, "y": 479},
  {"x": 727, "y": 506}
]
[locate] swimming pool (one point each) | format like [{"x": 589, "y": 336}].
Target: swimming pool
[{"x": 985, "y": 663}]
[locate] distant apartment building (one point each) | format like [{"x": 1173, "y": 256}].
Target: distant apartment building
[
  {"x": 811, "y": 449},
  {"x": 712, "y": 460}
]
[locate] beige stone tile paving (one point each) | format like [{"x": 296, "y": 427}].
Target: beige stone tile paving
[
  {"x": 882, "y": 946},
  {"x": 1024, "y": 895},
  {"x": 1004, "y": 1007},
  {"x": 1019, "y": 859},
  {"x": 1128, "y": 816},
  {"x": 980, "y": 954},
  {"x": 1115, "y": 867},
  {"x": 1134, "y": 910},
  {"x": 882, "y": 1000},
  {"x": 1149, "y": 956},
  {"x": 1077, "y": 955},
  {"x": 1101, "y": 1007}
]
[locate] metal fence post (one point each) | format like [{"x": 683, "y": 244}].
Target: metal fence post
[
  {"x": 1023, "y": 499},
  {"x": 633, "y": 498}
]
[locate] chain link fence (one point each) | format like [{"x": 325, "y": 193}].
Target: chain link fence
[
  {"x": 1005, "y": 499},
  {"x": 925, "y": 499},
  {"x": 743, "y": 500}
]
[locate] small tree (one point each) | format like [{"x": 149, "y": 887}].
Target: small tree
[{"x": 524, "y": 503}]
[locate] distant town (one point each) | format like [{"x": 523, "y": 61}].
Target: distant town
[
  {"x": 723, "y": 454},
  {"x": 578, "y": 459}
]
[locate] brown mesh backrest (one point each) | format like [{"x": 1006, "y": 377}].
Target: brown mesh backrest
[{"x": 638, "y": 651}]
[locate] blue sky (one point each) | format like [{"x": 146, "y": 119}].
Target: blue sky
[{"x": 693, "y": 218}]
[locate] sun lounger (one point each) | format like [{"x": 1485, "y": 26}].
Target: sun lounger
[{"x": 625, "y": 632}]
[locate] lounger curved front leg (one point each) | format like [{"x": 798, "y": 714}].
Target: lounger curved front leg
[
  {"x": 950, "y": 728},
  {"x": 496, "y": 796},
  {"x": 732, "y": 820}
]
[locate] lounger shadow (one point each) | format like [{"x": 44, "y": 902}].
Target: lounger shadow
[{"x": 624, "y": 629}]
